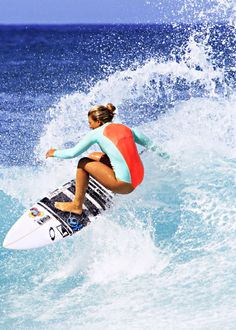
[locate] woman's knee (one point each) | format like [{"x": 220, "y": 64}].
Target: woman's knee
[
  {"x": 96, "y": 155},
  {"x": 83, "y": 161}
]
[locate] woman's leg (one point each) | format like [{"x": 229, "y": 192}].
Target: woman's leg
[
  {"x": 102, "y": 173},
  {"x": 100, "y": 157},
  {"x": 96, "y": 155}
]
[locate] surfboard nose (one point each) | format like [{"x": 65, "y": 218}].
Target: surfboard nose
[
  {"x": 16, "y": 241},
  {"x": 11, "y": 239},
  {"x": 7, "y": 243},
  {"x": 17, "y": 233}
]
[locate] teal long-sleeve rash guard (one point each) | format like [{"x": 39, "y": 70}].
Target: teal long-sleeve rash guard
[{"x": 118, "y": 142}]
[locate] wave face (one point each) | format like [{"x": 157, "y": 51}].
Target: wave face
[{"x": 164, "y": 256}]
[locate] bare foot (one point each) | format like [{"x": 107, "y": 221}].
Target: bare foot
[{"x": 68, "y": 207}]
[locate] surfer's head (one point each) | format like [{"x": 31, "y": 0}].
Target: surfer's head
[{"x": 100, "y": 114}]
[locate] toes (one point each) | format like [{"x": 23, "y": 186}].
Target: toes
[{"x": 59, "y": 206}]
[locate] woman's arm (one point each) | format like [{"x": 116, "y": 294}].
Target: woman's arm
[
  {"x": 78, "y": 149},
  {"x": 143, "y": 140}
]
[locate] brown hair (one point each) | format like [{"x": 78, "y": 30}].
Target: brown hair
[{"x": 102, "y": 113}]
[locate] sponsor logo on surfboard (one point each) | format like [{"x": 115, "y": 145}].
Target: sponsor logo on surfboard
[
  {"x": 52, "y": 233},
  {"x": 34, "y": 212},
  {"x": 63, "y": 231},
  {"x": 74, "y": 223},
  {"x": 38, "y": 216},
  {"x": 41, "y": 221}
]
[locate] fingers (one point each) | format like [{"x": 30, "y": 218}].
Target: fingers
[{"x": 50, "y": 153}]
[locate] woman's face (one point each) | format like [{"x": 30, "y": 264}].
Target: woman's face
[{"x": 94, "y": 123}]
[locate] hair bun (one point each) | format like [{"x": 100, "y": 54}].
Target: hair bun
[{"x": 110, "y": 107}]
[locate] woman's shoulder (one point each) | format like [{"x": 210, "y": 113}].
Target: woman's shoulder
[{"x": 117, "y": 130}]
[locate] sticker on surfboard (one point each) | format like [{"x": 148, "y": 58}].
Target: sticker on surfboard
[{"x": 43, "y": 224}]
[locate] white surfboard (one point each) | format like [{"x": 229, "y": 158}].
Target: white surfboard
[{"x": 43, "y": 224}]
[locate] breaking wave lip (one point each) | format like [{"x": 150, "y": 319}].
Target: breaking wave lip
[{"x": 143, "y": 85}]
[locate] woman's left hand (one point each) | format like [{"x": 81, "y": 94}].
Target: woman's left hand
[{"x": 50, "y": 153}]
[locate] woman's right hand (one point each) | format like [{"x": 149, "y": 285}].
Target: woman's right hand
[{"x": 50, "y": 153}]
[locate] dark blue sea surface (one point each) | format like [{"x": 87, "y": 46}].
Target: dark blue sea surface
[{"x": 164, "y": 256}]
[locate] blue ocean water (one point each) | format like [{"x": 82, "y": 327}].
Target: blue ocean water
[{"x": 164, "y": 256}]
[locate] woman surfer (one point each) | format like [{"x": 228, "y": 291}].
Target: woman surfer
[{"x": 118, "y": 167}]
